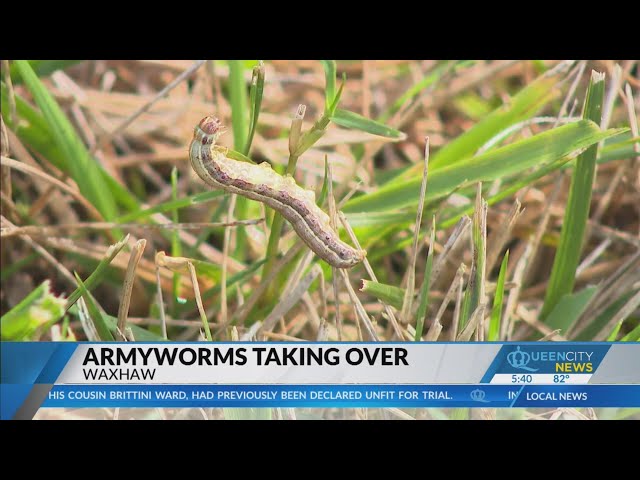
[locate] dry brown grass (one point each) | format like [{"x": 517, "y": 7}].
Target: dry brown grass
[{"x": 138, "y": 134}]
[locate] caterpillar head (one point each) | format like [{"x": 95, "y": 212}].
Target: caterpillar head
[{"x": 208, "y": 130}]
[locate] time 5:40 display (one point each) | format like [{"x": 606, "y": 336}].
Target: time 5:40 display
[{"x": 521, "y": 378}]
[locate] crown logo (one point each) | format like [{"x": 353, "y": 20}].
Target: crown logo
[
  {"x": 478, "y": 395},
  {"x": 520, "y": 360}
]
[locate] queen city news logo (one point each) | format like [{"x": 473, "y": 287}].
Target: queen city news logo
[
  {"x": 520, "y": 360},
  {"x": 561, "y": 361}
]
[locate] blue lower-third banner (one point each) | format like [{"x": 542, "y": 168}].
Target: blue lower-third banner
[
  {"x": 316, "y": 374},
  {"x": 343, "y": 396}
]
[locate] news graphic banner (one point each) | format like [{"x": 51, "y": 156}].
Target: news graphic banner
[{"x": 324, "y": 374}]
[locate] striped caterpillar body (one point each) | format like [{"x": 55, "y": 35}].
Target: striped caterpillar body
[{"x": 263, "y": 184}]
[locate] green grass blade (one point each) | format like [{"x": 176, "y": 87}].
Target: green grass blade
[
  {"x": 334, "y": 105},
  {"x": 330, "y": 78},
  {"x": 94, "y": 313},
  {"x": 239, "y": 108},
  {"x": 614, "y": 333},
  {"x": 633, "y": 335},
  {"x": 388, "y": 294},
  {"x": 99, "y": 273},
  {"x": 255, "y": 101},
  {"x": 324, "y": 191},
  {"x": 478, "y": 236},
  {"x": 42, "y": 68},
  {"x": 466, "y": 311},
  {"x": 565, "y": 263},
  {"x": 374, "y": 220},
  {"x": 595, "y": 326},
  {"x": 473, "y": 106},
  {"x": 524, "y": 105},
  {"x": 33, "y": 311},
  {"x": 398, "y": 219},
  {"x": 569, "y": 309},
  {"x": 247, "y": 413},
  {"x": 619, "y": 148},
  {"x": 83, "y": 168},
  {"x": 139, "y": 333},
  {"x": 624, "y": 413},
  {"x": 120, "y": 193},
  {"x": 423, "y": 298},
  {"x": 536, "y": 151},
  {"x": 511, "y": 188},
  {"x": 355, "y": 121},
  {"x": 32, "y": 129},
  {"x": 414, "y": 91},
  {"x": 496, "y": 311},
  {"x": 460, "y": 414},
  {"x": 64, "y": 329},
  {"x": 239, "y": 123}
]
